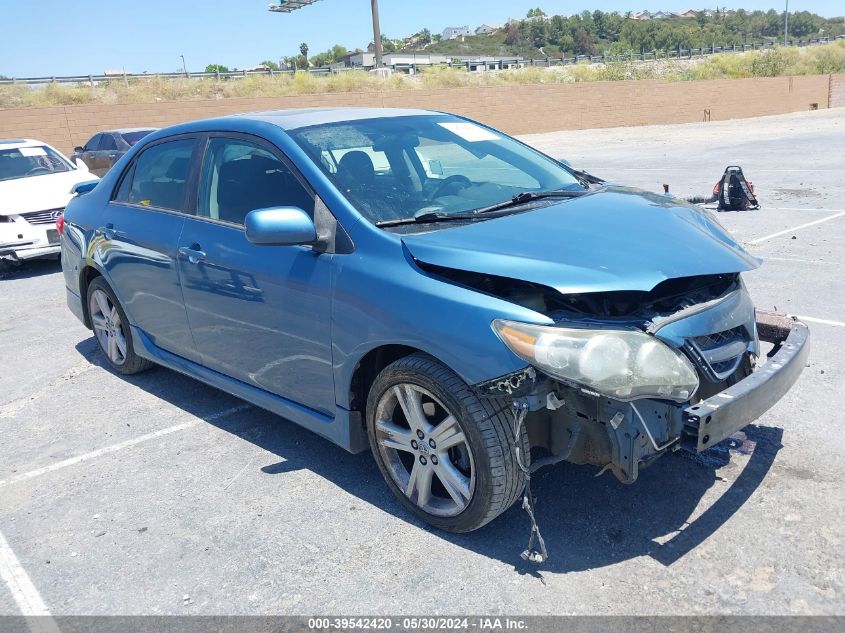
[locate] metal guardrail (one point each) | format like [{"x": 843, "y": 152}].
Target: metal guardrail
[{"x": 495, "y": 63}]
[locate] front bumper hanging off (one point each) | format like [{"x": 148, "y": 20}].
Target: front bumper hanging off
[{"x": 721, "y": 415}]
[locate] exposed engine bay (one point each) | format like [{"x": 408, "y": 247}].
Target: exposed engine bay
[{"x": 567, "y": 419}]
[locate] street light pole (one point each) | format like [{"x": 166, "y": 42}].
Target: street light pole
[
  {"x": 376, "y": 33},
  {"x": 785, "y": 22},
  {"x": 286, "y": 6},
  {"x": 184, "y": 65}
]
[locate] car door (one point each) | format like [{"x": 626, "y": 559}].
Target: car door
[
  {"x": 259, "y": 314},
  {"x": 90, "y": 153},
  {"x": 107, "y": 154},
  {"x": 142, "y": 224}
]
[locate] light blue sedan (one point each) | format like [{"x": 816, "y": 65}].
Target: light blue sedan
[{"x": 427, "y": 286}]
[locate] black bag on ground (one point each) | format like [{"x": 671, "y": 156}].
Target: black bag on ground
[{"x": 734, "y": 192}]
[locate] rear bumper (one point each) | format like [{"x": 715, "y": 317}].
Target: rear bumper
[
  {"x": 718, "y": 417},
  {"x": 74, "y": 302},
  {"x": 20, "y": 251}
]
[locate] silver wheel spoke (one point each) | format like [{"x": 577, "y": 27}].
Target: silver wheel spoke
[
  {"x": 99, "y": 322},
  {"x": 113, "y": 354},
  {"x": 455, "y": 483},
  {"x": 448, "y": 434},
  {"x": 395, "y": 437},
  {"x": 120, "y": 341},
  {"x": 419, "y": 484},
  {"x": 102, "y": 302},
  {"x": 409, "y": 400}
]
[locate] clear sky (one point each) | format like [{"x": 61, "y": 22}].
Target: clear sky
[{"x": 68, "y": 37}]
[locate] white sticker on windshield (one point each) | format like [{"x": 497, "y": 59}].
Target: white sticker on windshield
[
  {"x": 470, "y": 131},
  {"x": 32, "y": 151}
]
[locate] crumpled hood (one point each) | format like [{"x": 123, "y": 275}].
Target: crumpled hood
[
  {"x": 37, "y": 193},
  {"x": 615, "y": 239}
]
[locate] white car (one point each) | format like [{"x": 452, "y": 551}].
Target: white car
[{"x": 35, "y": 185}]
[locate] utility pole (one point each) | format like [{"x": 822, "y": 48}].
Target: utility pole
[
  {"x": 184, "y": 65},
  {"x": 376, "y": 33},
  {"x": 786, "y": 22}
]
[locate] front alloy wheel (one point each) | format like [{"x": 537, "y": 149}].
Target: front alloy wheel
[
  {"x": 445, "y": 453},
  {"x": 425, "y": 450}
]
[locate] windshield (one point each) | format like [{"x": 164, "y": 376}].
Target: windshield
[
  {"x": 405, "y": 167},
  {"x": 134, "y": 137},
  {"x": 22, "y": 162}
]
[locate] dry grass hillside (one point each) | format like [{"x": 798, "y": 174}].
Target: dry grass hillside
[{"x": 826, "y": 59}]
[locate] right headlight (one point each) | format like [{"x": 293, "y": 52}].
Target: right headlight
[{"x": 620, "y": 364}]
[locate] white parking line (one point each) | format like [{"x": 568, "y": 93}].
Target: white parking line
[
  {"x": 795, "y": 228},
  {"x": 25, "y": 594},
  {"x": 119, "y": 446},
  {"x": 822, "y": 321},
  {"x": 800, "y": 261},
  {"x": 669, "y": 168},
  {"x": 767, "y": 208}
]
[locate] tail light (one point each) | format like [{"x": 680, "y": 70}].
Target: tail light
[{"x": 60, "y": 224}]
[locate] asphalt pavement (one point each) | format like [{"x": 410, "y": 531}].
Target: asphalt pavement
[{"x": 155, "y": 494}]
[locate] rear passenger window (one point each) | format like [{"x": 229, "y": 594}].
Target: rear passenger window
[
  {"x": 107, "y": 142},
  {"x": 239, "y": 177},
  {"x": 160, "y": 175}
]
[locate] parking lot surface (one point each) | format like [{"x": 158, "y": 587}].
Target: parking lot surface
[{"x": 154, "y": 494}]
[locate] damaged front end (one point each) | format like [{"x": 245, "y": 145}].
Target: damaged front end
[{"x": 709, "y": 324}]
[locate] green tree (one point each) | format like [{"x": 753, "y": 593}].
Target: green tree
[
  {"x": 303, "y": 50},
  {"x": 270, "y": 65},
  {"x": 331, "y": 56},
  {"x": 216, "y": 68},
  {"x": 583, "y": 44}
]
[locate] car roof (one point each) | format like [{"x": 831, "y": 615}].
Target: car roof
[
  {"x": 305, "y": 117},
  {"x": 127, "y": 130},
  {"x": 294, "y": 118},
  {"x": 14, "y": 143}
]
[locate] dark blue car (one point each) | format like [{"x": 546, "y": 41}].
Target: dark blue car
[{"x": 421, "y": 284}]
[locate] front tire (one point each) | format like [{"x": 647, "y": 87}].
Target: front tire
[
  {"x": 445, "y": 453},
  {"x": 111, "y": 329}
]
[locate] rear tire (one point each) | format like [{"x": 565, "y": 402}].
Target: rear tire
[
  {"x": 111, "y": 329},
  {"x": 450, "y": 461}
]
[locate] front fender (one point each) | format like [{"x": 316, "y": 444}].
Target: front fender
[{"x": 385, "y": 299}]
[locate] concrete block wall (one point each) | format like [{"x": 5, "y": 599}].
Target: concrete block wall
[
  {"x": 517, "y": 109},
  {"x": 837, "y": 91}
]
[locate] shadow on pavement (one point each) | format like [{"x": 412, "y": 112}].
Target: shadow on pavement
[
  {"x": 28, "y": 269},
  {"x": 587, "y": 522}
]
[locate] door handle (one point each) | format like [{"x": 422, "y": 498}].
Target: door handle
[{"x": 194, "y": 254}]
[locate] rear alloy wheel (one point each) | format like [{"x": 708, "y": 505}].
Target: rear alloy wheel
[
  {"x": 111, "y": 329},
  {"x": 445, "y": 453}
]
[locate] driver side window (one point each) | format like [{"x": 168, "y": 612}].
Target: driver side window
[
  {"x": 239, "y": 176},
  {"x": 94, "y": 144}
]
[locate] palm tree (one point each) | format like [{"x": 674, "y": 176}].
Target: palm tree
[{"x": 303, "y": 49}]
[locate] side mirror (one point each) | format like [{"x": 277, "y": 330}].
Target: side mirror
[
  {"x": 78, "y": 149},
  {"x": 564, "y": 161},
  {"x": 83, "y": 187},
  {"x": 80, "y": 165},
  {"x": 280, "y": 226}
]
